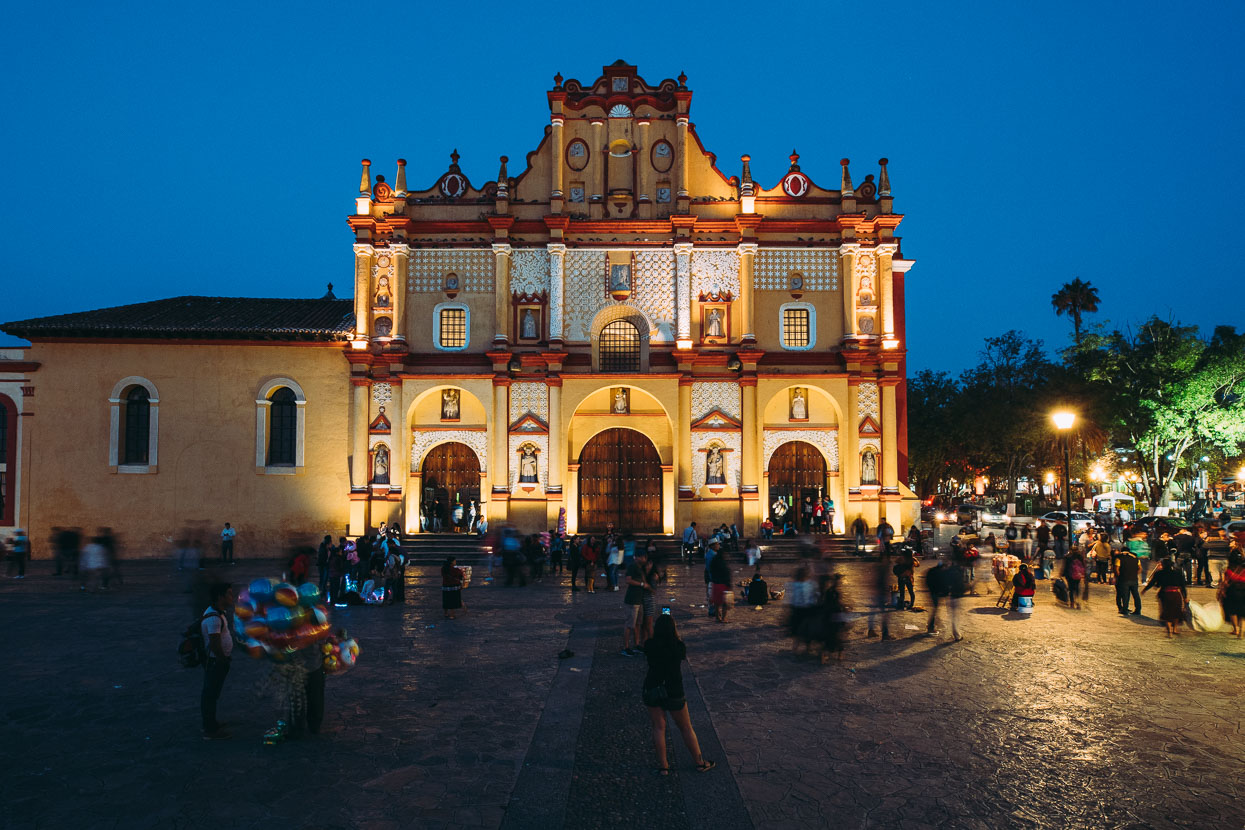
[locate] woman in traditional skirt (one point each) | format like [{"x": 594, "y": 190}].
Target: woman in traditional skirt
[
  {"x": 452, "y": 578},
  {"x": 1173, "y": 595},
  {"x": 1232, "y": 592}
]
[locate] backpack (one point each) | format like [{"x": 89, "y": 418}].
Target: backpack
[
  {"x": 1076, "y": 569},
  {"x": 192, "y": 650}
]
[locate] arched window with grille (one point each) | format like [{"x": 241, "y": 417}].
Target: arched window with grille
[
  {"x": 619, "y": 347},
  {"x": 136, "y": 439},
  {"x": 282, "y": 428}
]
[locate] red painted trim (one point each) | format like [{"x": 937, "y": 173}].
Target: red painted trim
[
  {"x": 198, "y": 341},
  {"x": 901, "y": 392}
]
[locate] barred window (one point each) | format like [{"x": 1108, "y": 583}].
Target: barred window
[
  {"x": 620, "y": 347},
  {"x": 137, "y": 426},
  {"x": 282, "y": 428},
  {"x": 796, "y": 331},
  {"x": 453, "y": 328}
]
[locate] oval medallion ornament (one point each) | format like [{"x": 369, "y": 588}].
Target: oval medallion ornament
[
  {"x": 453, "y": 186},
  {"x": 795, "y": 184}
]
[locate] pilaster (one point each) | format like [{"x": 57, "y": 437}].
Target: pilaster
[
  {"x": 501, "y": 296},
  {"x": 848, "y": 252},
  {"x": 363, "y": 255},
  {"x": 557, "y": 272},
  {"x": 683, "y": 293},
  {"x": 747, "y": 266},
  {"x": 397, "y": 292}
]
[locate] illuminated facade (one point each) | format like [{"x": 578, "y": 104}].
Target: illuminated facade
[{"x": 621, "y": 330}]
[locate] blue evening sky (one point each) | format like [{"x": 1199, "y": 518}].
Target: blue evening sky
[{"x": 151, "y": 150}]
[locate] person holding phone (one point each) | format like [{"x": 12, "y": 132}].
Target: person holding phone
[{"x": 663, "y": 693}]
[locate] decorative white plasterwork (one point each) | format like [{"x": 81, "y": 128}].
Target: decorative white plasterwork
[
  {"x": 423, "y": 440},
  {"x": 683, "y": 288},
  {"x": 702, "y": 441},
  {"x": 382, "y": 393},
  {"x": 374, "y": 440},
  {"x": 584, "y": 288},
  {"x": 867, "y": 402},
  {"x": 389, "y": 269},
  {"x": 542, "y": 460},
  {"x": 867, "y": 267},
  {"x": 723, "y": 397},
  {"x": 426, "y": 269},
  {"x": 557, "y": 288},
  {"x": 774, "y": 267},
  {"x": 529, "y": 271},
  {"x": 715, "y": 273},
  {"x": 870, "y": 444},
  {"x": 826, "y": 440},
  {"x": 654, "y": 292},
  {"x": 527, "y": 397}
]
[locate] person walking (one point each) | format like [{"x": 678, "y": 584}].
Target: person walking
[
  {"x": 884, "y": 586},
  {"x": 19, "y": 553},
  {"x": 1026, "y": 543},
  {"x": 574, "y": 560},
  {"x": 218, "y": 642},
  {"x": 1101, "y": 551},
  {"x": 588, "y": 554},
  {"x": 1074, "y": 572},
  {"x": 633, "y": 602},
  {"x": 1043, "y": 537},
  {"x": 1059, "y": 534},
  {"x": 946, "y": 582},
  {"x": 1127, "y": 570},
  {"x": 557, "y": 546},
  {"x": 1232, "y": 593},
  {"x": 720, "y": 576},
  {"x": 664, "y": 696},
  {"x": 886, "y": 533},
  {"x": 1173, "y": 594},
  {"x": 833, "y": 612},
  {"x": 322, "y": 562},
  {"x": 612, "y": 563},
  {"x": 905, "y": 573},
  {"x": 452, "y": 578},
  {"x": 227, "y": 535},
  {"x": 801, "y": 595},
  {"x": 1202, "y": 555},
  {"x": 691, "y": 541},
  {"x": 860, "y": 529},
  {"x": 92, "y": 565}
]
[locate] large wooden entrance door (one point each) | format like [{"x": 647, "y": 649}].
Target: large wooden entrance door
[
  {"x": 797, "y": 471},
  {"x": 451, "y": 475},
  {"x": 620, "y": 482}
]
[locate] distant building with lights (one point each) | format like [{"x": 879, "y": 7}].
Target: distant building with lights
[{"x": 621, "y": 331}]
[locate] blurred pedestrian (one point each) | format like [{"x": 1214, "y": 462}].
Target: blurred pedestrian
[
  {"x": 1172, "y": 591},
  {"x": 1232, "y": 593},
  {"x": 884, "y": 590},
  {"x": 1127, "y": 570},
  {"x": 219, "y": 645},
  {"x": 801, "y": 594},
  {"x": 452, "y": 578},
  {"x": 720, "y": 576},
  {"x": 1074, "y": 572},
  {"x": 93, "y": 564},
  {"x": 860, "y": 529},
  {"x": 663, "y": 693},
  {"x": 946, "y": 582}
]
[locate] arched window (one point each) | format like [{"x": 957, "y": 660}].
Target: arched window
[
  {"x": 137, "y": 436},
  {"x": 620, "y": 347},
  {"x": 282, "y": 428}
]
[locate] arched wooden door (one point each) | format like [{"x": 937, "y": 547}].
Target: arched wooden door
[
  {"x": 620, "y": 482},
  {"x": 797, "y": 471},
  {"x": 451, "y": 475}
]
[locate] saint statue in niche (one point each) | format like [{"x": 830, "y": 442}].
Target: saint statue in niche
[
  {"x": 382, "y": 292},
  {"x": 799, "y": 405},
  {"x": 622, "y": 402},
  {"x": 715, "y": 466},
  {"x": 866, "y": 325},
  {"x": 527, "y": 464},
  {"x": 620, "y": 278},
  {"x": 527, "y": 329},
  {"x": 713, "y": 323},
  {"x": 868, "y": 467},
  {"x": 380, "y": 465},
  {"x": 384, "y": 327},
  {"x": 449, "y": 405}
]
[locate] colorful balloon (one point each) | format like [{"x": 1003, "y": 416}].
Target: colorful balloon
[
  {"x": 279, "y": 618},
  {"x": 286, "y": 594},
  {"x": 260, "y": 590},
  {"x": 309, "y": 594}
]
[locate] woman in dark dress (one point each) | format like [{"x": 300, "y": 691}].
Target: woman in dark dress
[
  {"x": 452, "y": 578},
  {"x": 1173, "y": 595},
  {"x": 1232, "y": 592},
  {"x": 663, "y": 693}
]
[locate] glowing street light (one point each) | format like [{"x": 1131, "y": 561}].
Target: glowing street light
[
  {"x": 1063, "y": 419},
  {"x": 1063, "y": 422}
]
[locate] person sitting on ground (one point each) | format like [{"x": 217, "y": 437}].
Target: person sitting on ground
[
  {"x": 1025, "y": 586},
  {"x": 757, "y": 592}
]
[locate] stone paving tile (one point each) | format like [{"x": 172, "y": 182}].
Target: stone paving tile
[{"x": 1064, "y": 720}]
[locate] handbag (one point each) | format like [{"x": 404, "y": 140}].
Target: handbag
[{"x": 656, "y": 696}]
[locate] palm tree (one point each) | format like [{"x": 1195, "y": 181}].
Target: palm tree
[{"x": 1074, "y": 299}]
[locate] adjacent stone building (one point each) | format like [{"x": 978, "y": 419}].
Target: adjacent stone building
[{"x": 622, "y": 331}]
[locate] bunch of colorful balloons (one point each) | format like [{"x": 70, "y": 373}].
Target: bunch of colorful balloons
[
  {"x": 275, "y": 619},
  {"x": 339, "y": 654}
]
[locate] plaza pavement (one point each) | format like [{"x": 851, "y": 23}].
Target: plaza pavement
[{"x": 1067, "y": 719}]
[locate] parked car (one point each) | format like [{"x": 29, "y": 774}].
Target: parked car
[
  {"x": 1234, "y": 526},
  {"x": 1080, "y": 521},
  {"x": 1164, "y": 524},
  {"x": 976, "y": 515}
]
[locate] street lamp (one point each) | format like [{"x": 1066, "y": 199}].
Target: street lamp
[{"x": 1063, "y": 423}]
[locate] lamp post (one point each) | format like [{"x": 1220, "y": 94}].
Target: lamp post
[{"x": 1063, "y": 423}]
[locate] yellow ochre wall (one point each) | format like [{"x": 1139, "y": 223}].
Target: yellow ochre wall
[{"x": 206, "y": 469}]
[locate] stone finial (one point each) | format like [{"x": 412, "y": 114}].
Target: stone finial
[
  {"x": 454, "y": 160},
  {"x": 847, "y": 179},
  {"x": 365, "y": 181},
  {"x": 682, "y": 79},
  {"x": 399, "y": 182},
  {"x": 884, "y": 179},
  {"x": 745, "y": 184},
  {"x": 329, "y": 295},
  {"x": 557, "y": 81},
  {"x": 503, "y": 181},
  {"x": 795, "y": 162}
]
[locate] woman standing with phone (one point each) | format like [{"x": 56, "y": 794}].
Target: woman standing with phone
[{"x": 663, "y": 693}]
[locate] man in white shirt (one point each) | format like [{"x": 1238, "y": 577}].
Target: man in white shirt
[
  {"x": 691, "y": 542},
  {"x": 226, "y": 543},
  {"x": 219, "y": 646}
]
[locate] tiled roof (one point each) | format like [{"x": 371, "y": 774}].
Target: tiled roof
[{"x": 211, "y": 318}]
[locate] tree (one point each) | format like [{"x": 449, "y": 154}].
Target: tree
[
  {"x": 1005, "y": 401},
  {"x": 1169, "y": 391},
  {"x": 934, "y": 454},
  {"x": 1075, "y": 299}
]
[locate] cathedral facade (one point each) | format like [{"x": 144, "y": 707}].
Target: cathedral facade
[{"x": 622, "y": 333}]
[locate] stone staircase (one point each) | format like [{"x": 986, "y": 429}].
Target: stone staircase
[{"x": 430, "y": 549}]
